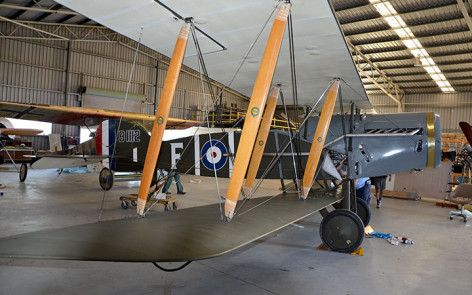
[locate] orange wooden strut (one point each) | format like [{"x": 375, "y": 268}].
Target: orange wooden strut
[
  {"x": 161, "y": 117},
  {"x": 319, "y": 139},
  {"x": 261, "y": 141},
  {"x": 255, "y": 109}
]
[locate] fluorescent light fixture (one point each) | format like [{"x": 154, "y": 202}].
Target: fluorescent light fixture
[
  {"x": 443, "y": 83},
  {"x": 419, "y": 52},
  {"x": 422, "y": 58},
  {"x": 447, "y": 89},
  {"x": 437, "y": 77},
  {"x": 432, "y": 70},
  {"x": 404, "y": 33},
  {"x": 427, "y": 61}
]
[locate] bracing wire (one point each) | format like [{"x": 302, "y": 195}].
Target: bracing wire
[
  {"x": 275, "y": 159},
  {"x": 112, "y": 158},
  {"x": 245, "y": 57}
]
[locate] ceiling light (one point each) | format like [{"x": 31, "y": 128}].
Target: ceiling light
[
  {"x": 421, "y": 56},
  {"x": 427, "y": 61},
  {"x": 417, "y": 62}
]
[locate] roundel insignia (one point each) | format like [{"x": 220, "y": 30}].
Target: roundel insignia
[
  {"x": 213, "y": 155},
  {"x": 255, "y": 111},
  {"x": 319, "y": 139},
  {"x": 261, "y": 142},
  {"x": 160, "y": 120}
]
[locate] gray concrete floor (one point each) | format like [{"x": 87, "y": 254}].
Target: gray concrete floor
[{"x": 286, "y": 262}]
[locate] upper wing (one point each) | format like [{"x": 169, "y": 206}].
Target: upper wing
[
  {"x": 80, "y": 116},
  {"x": 19, "y": 131},
  {"x": 320, "y": 49}
]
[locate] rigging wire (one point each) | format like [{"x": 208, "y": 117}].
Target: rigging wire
[
  {"x": 293, "y": 72},
  {"x": 202, "y": 65},
  {"x": 276, "y": 158},
  {"x": 245, "y": 57},
  {"x": 112, "y": 158},
  {"x": 291, "y": 138}
]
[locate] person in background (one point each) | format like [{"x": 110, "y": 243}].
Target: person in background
[
  {"x": 363, "y": 189},
  {"x": 380, "y": 183},
  {"x": 176, "y": 176}
]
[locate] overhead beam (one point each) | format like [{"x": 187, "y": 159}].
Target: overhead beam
[
  {"x": 381, "y": 80},
  {"x": 21, "y": 11},
  {"x": 400, "y": 13},
  {"x": 462, "y": 62},
  {"x": 32, "y": 28},
  {"x": 422, "y": 38},
  {"x": 50, "y": 11},
  {"x": 465, "y": 13},
  {"x": 360, "y": 32},
  {"x": 403, "y": 48},
  {"x": 410, "y": 57}
]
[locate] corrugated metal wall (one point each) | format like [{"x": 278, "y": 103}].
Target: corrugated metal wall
[
  {"x": 34, "y": 71},
  {"x": 452, "y": 107}
]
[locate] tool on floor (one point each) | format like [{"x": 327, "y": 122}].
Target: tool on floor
[{"x": 391, "y": 239}]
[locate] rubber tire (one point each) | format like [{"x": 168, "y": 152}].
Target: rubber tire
[
  {"x": 124, "y": 205},
  {"x": 23, "y": 172},
  {"x": 342, "y": 231},
  {"x": 174, "y": 206},
  {"x": 106, "y": 179},
  {"x": 134, "y": 203},
  {"x": 363, "y": 211},
  {"x": 166, "y": 208}
]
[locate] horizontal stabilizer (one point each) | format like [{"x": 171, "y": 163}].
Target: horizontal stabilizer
[
  {"x": 182, "y": 235},
  {"x": 65, "y": 161}
]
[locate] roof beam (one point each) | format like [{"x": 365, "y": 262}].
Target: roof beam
[
  {"x": 438, "y": 64},
  {"x": 401, "y": 13},
  {"x": 33, "y": 28},
  {"x": 423, "y": 73},
  {"x": 403, "y": 48},
  {"x": 446, "y": 24},
  {"x": 21, "y": 10},
  {"x": 452, "y": 34},
  {"x": 379, "y": 78},
  {"x": 28, "y": 8},
  {"x": 465, "y": 13},
  {"x": 411, "y": 58},
  {"x": 46, "y": 14}
]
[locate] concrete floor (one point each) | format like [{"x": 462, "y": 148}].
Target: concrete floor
[{"x": 286, "y": 262}]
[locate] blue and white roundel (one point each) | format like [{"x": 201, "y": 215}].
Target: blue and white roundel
[{"x": 214, "y": 155}]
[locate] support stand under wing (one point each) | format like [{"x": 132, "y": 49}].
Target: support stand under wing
[{"x": 183, "y": 235}]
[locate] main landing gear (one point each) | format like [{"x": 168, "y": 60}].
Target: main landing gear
[{"x": 342, "y": 230}]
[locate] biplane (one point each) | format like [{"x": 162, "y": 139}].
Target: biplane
[
  {"x": 132, "y": 136},
  {"x": 369, "y": 145}
]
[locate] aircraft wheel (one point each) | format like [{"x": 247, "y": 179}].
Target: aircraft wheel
[
  {"x": 124, "y": 204},
  {"x": 342, "y": 231},
  {"x": 363, "y": 211},
  {"x": 134, "y": 203},
  {"x": 174, "y": 206},
  {"x": 106, "y": 179},
  {"x": 23, "y": 172}
]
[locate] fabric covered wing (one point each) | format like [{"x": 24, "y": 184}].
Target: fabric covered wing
[
  {"x": 80, "y": 116},
  {"x": 182, "y": 235}
]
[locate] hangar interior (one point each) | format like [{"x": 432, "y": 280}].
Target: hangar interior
[{"x": 409, "y": 56}]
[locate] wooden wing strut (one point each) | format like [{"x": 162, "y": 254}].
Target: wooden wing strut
[
  {"x": 256, "y": 108},
  {"x": 261, "y": 141},
  {"x": 161, "y": 117},
  {"x": 319, "y": 139}
]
